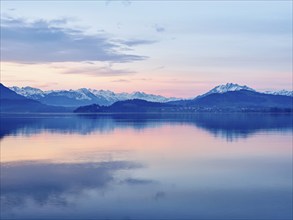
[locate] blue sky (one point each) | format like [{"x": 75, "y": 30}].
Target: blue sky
[{"x": 173, "y": 48}]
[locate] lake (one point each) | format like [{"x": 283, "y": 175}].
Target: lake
[{"x": 128, "y": 166}]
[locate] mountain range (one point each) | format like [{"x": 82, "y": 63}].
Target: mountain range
[
  {"x": 83, "y": 96},
  {"x": 228, "y": 97},
  {"x": 13, "y": 102}
]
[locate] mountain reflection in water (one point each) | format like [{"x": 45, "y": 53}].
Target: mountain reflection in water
[{"x": 229, "y": 126}]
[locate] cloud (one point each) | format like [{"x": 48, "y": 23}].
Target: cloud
[
  {"x": 121, "y": 81},
  {"x": 99, "y": 71},
  {"x": 47, "y": 85},
  {"x": 126, "y": 2},
  {"x": 123, "y": 2},
  {"x": 159, "y": 28},
  {"x": 160, "y": 195},
  {"x": 132, "y": 181},
  {"x": 136, "y": 42},
  {"x": 46, "y": 41},
  {"x": 159, "y": 67}
]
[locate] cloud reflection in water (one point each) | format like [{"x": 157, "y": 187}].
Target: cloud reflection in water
[{"x": 53, "y": 182}]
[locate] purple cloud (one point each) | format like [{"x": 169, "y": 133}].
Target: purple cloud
[{"x": 43, "y": 41}]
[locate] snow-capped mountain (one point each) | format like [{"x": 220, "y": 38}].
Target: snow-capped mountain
[
  {"x": 84, "y": 96},
  {"x": 114, "y": 97},
  {"x": 29, "y": 92},
  {"x": 280, "y": 92},
  {"x": 227, "y": 88}
]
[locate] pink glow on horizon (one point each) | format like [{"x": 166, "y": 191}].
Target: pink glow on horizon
[{"x": 171, "y": 84}]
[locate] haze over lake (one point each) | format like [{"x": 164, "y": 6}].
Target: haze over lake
[{"x": 199, "y": 166}]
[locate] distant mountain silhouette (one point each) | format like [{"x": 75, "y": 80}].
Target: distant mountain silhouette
[
  {"x": 135, "y": 105},
  {"x": 229, "y": 97},
  {"x": 13, "y": 102},
  {"x": 84, "y": 96},
  {"x": 238, "y": 99},
  {"x": 88, "y": 109},
  {"x": 6, "y": 93}
]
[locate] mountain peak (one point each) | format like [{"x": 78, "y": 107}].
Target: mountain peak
[
  {"x": 28, "y": 91},
  {"x": 280, "y": 92},
  {"x": 227, "y": 88}
]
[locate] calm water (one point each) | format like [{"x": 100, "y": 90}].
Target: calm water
[{"x": 205, "y": 166}]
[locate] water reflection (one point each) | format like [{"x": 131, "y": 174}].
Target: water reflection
[
  {"x": 46, "y": 182},
  {"x": 228, "y": 126},
  {"x": 202, "y": 166},
  {"x": 94, "y": 191}
]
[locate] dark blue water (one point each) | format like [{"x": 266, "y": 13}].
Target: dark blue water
[{"x": 202, "y": 166}]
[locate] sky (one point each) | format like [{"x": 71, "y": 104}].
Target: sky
[{"x": 170, "y": 48}]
